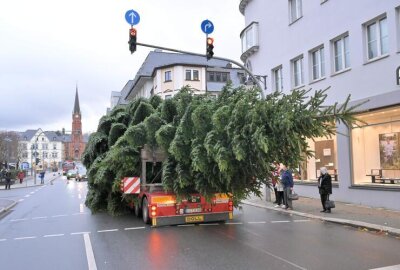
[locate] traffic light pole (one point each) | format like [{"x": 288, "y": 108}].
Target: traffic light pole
[{"x": 215, "y": 57}]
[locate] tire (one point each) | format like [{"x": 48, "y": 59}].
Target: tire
[
  {"x": 145, "y": 211},
  {"x": 137, "y": 210}
]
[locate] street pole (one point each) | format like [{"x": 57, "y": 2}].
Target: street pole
[{"x": 253, "y": 77}]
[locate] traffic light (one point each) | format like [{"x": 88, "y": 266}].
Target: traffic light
[
  {"x": 37, "y": 161},
  {"x": 132, "y": 40},
  {"x": 210, "y": 47}
]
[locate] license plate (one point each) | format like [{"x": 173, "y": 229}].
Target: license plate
[
  {"x": 192, "y": 219},
  {"x": 192, "y": 210}
]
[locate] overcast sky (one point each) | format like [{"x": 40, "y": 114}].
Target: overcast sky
[{"x": 48, "y": 47}]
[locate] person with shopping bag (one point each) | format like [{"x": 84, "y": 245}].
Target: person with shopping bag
[
  {"x": 325, "y": 188},
  {"x": 287, "y": 182}
]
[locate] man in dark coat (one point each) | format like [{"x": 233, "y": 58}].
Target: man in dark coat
[
  {"x": 325, "y": 187},
  {"x": 8, "y": 179}
]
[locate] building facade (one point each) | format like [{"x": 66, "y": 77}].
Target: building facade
[
  {"x": 41, "y": 149},
  {"x": 164, "y": 74},
  {"x": 353, "y": 47}
]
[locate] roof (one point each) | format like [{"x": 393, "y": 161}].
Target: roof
[
  {"x": 51, "y": 135},
  {"x": 158, "y": 59},
  {"x": 77, "y": 109},
  {"x": 124, "y": 93}
]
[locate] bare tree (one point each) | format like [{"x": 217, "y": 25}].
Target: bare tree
[{"x": 9, "y": 147}]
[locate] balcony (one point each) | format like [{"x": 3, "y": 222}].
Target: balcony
[
  {"x": 250, "y": 44},
  {"x": 242, "y": 5}
]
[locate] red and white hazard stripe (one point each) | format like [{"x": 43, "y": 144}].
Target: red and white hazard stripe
[{"x": 131, "y": 185}]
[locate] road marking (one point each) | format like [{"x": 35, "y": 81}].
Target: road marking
[
  {"x": 393, "y": 267},
  {"x": 134, "y": 228},
  {"x": 81, "y": 207},
  {"x": 39, "y": 217},
  {"x": 89, "y": 252},
  {"x": 75, "y": 214},
  {"x": 23, "y": 238},
  {"x": 59, "y": 216},
  {"x": 32, "y": 192},
  {"x": 233, "y": 223},
  {"x": 21, "y": 219},
  {"x": 209, "y": 224},
  {"x": 186, "y": 225},
  {"x": 301, "y": 220},
  {"x": 79, "y": 196},
  {"x": 27, "y": 196},
  {"x": 75, "y": 233},
  {"x": 21, "y": 200},
  {"x": 112, "y": 230},
  {"x": 2, "y": 240},
  {"x": 53, "y": 235},
  {"x": 257, "y": 222},
  {"x": 280, "y": 221}
]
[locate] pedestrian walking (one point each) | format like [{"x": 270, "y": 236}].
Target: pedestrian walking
[
  {"x": 8, "y": 179},
  {"x": 42, "y": 177},
  {"x": 21, "y": 176},
  {"x": 324, "y": 187},
  {"x": 287, "y": 182}
]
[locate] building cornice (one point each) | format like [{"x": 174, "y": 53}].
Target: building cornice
[{"x": 242, "y": 5}]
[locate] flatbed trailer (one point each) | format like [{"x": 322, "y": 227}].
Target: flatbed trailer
[{"x": 160, "y": 208}]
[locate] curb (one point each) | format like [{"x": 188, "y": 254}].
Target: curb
[
  {"x": 4, "y": 209},
  {"x": 353, "y": 223}
]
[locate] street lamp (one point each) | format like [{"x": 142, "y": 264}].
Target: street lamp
[{"x": 8, "y": 140}]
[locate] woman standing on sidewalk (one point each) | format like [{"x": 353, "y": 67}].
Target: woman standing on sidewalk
[
  {"x": 324, "y": 187},
  {"x": 21, "y": 176}
]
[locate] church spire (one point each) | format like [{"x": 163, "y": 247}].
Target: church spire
[{"x": 77, "y": 110}]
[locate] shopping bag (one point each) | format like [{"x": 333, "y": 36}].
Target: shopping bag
[{"x": 293, "y": 196}]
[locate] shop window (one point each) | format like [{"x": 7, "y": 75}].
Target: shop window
[
  {"x": 325, "y": 149},
  {"x": 375, "y": 148}
]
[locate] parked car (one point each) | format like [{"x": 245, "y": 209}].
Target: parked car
[
  {"x": 81, "y": 175},
  {"x": 72, "y": 174}
]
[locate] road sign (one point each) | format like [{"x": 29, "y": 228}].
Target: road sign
[
  {"x": 132, "y": 17},
  {"x": 207, "y": 27}
]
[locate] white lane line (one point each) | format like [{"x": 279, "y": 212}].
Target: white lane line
[
  {"x": 59, "y": 216},
  {"x": 393, "y": 267},
  {"x": 209, "y": 224},
  {"x": 32, "y": 192},
  {"x": 134, "y": 228},
  {"x": 81, "y": 208},
  {"x": 21, "y": 219},
  {"x": 257, "y": 222},
  {"x": 53, "y": 235},
  {"x": 39, "y": 217},
  {"x": 27, "y": 196},
  {"x": 280, "y": 221},
  {"x": 301, "y": 220},
  {"x": 2, "y": 240},
  {"x": 21, "y": 200},
  {"x": 75, "y": 233},
  {"x": 75, "y": 214},
  {"x": 23, "y": 238},
  {"x": 89, "y": 252},
  {"x": 186, "y": 225},
  {"x": 79, "y": 196},
  {"x": 111, "y": 230},
  {"x": 233, "y": 223}
]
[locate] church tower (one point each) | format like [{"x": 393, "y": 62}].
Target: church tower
[{"x": 77, "y": 145}]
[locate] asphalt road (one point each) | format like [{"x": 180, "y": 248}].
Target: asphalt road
[{"x": 50, "y": 228}]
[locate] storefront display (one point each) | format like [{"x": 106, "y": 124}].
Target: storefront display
[{"x": 375, "y": 148}]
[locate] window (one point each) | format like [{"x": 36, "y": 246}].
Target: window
[
  {"x": 277, "y": 78},
  {"x": 398, "y": 76},
  {"x": 44, "y": 146},
  {"x": 54, "y": 155},
  {"x": 192, "y": 75},
  {"x": 249, "y": 37},
  {"x": 375, "y": 148},
  {"x": 377, "y": 38},
  {"x": 24, "y": 146},
  {"x": 45, "y": 155},
  {"x": 318, "y": 64},
  {"x": 168, "y": 96},
  {"x": 167, "y": 76},
  {"x": 54, "y": 146},
  {"x": 341, "y": 53},
  {"x": 297, "y": 72},
  {"x": 295, "y": 10},
  {"x": 24, "y": 155},
  {"x": 242, "y": 78},
  {"x": 215, "y": 76}
]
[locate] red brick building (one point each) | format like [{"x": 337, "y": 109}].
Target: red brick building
[{"x": 76, "y": 145}]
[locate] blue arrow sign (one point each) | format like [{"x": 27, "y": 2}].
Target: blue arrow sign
[
  {"x": 207, "y": 27},
  {"x": 132, "y": 17}
]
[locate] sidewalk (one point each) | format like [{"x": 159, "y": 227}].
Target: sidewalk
[
  {"x": 6, "y": 204},
  {"x": 366, "y": 218}
]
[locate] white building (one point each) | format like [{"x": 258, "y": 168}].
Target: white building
[
  {"x": 46, "y": 145},
  {"x": 354, "y": 48}
]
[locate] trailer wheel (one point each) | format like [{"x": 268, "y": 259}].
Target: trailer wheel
[
  {"x": 137, "y": 210},
  {"x": 145, "y": 211}
]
